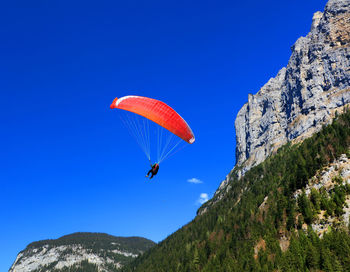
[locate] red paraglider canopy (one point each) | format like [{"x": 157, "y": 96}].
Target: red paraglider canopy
[{"x": 158, "y": 112}]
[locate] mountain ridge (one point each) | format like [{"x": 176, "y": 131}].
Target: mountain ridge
[{"x": 80, "y": 250}]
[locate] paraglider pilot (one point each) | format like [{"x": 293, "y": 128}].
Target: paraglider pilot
[{"x": 153, "y": 171}]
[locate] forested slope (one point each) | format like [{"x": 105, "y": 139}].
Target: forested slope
[{"x": 264, "y": 222}]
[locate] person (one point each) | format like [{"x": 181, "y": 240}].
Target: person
[{"x": 153, "y": 171}]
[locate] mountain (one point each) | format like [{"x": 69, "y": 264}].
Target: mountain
[
  {"x": 303, "y": 96},
  {"x": 289, "y": 213},
  {"x": 285, "y": 206},
  {"x": 81, "y": 251}
]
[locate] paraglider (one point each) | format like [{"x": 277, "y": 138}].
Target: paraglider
[
  {"x": 153, "y": 171},
  {"x": 155, "y": 126}
]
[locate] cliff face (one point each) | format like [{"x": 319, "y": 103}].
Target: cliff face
[{"x": 304, "y": 95}]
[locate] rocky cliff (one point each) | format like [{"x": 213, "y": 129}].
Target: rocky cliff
[
  {"x": 304, "y": 95},
  {"x": 80, "y": 252}
]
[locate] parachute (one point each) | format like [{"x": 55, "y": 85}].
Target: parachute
[{"x": 154, "y": 124}]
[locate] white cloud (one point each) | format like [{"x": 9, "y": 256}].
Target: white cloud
[
  {"x": 194, "y": 180},
  {"x": 203, "y": 198}
]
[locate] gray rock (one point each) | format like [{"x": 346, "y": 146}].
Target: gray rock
[{"x": 303, "y": 96}]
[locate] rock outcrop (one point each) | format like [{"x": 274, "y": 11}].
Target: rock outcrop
[
  {"x": 47, "y": 257},
  {"x": 304, "y": 95},
  {"x": 336, "y": 173}
]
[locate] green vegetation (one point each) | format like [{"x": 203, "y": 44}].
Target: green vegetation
[
  {"x": 237, "y": 233},
  {"x": 96, "y": 241},
  {"x": 83, "y": 266}
]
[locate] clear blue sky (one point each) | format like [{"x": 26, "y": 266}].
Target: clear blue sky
[{"x": 67, "y": 164}]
